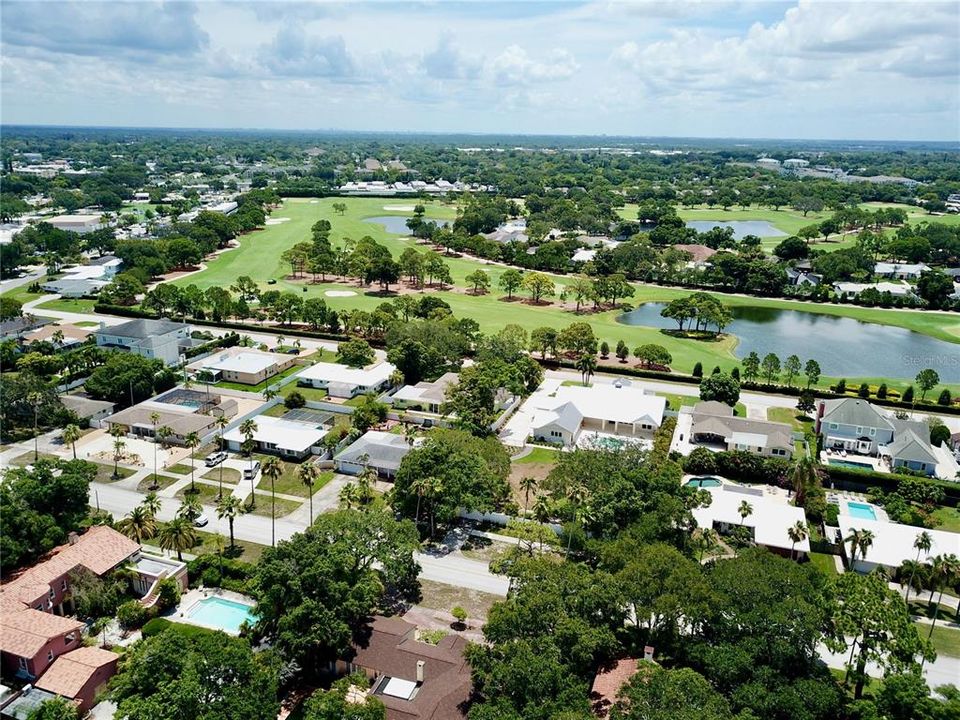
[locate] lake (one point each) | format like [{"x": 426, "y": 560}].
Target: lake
[
  {"x": 844, "y": 347},
  {"x": 741, "y": 228},
  {"x": 397, "y": 224}
]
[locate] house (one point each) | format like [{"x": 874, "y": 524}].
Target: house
[
  {"x": 241, "y": 365},
  {"x": 34, "y": 629},
  {"x": 768, "y": 520},
  {"x": 854, "y": 425},
  {"x": 609, "y": 682},
  {"x": 69, "y": 287},
  {"x": 371, "y": 165},
  {"x": 424, "y": 396},
  {"x": 699, "y": 254},
  {"x": 161, "y": 339},
  {"x": 900, "y": 271},
  {"x": 893, "y": 543},
  {"x": 77, "y": 223},
  {"x": 278, "y": 436},
  {"x": 71, "y": 335},
  {"x": 91, "y": 412},
  {"x": 603, "y": 408},
  {"x": 15, "y": 328},
  {"x": 415, "y": 680},
  {"x": 800, "y": 278},
  {"x": 180, "y": 410},
  {"x": 343, "y": 381},
  {"x": 23, "y": 704},
  {"x": 714, "y": 424},
  {"x": 80, "y": 675},
  {"x": 381, "y": 451},
  {"x": 852, "y": 289},
  {"x": 583, "y": 255}
]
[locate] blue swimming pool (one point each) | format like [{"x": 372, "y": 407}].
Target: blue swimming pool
[
  {"x": 228, "y": 615},
  {"x": 850, "y": 464},
  {"x": 704, "y": 482},
  {"x": 861, "y": 511}
]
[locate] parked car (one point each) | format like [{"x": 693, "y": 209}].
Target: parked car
[
  {"x": 214, "y": 459},
  {"x": 292, "y": 351},
  {"x": 250, "y": 472},
  {"x": 200, "y": 520},
  {"x": 271, "y": 281}
]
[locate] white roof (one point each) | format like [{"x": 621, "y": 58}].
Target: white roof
[
  {"x": 85, "y": 272},
  {"x": 244, "y": 362},
  {"x": 398, "y": 688},
  {"x": 605, "y": 401},
  {"x": 882, "y": 268},
  {"x": 893, "y": 542},
  {"x": 892, "y": 288},
  {"x": 747, "y": 438},
  {"x": 337, "y": 373},
  {"x": 75, "y": 219},
  {"x": 285, "y": 434},
  {"x": 584, "y": 255},
  {"x": 770, "y": 519}
]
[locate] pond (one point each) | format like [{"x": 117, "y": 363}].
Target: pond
[
  {"x": 741, "y": 228},
  {"x": 397, "y": 224},
  {"x": 844, "y": 347}
]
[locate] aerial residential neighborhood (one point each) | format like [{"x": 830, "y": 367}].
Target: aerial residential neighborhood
[{"x": 480, "y": 361}]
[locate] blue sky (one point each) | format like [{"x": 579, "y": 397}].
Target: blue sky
[{"x": 710, "y": 68}]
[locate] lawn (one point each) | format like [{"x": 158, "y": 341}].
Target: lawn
[
  {"x": 181, "y": 469},
  {"x": 76, "y": 305},
  {"x": 251, "y": 551},
  {"x": 440, "y": 596},
  {"x": 230, "y": 475},
  {"x": 27, "y": 459},
  {"x": 538, "y": 455},
  {"x": 790, "y": 416},
  {"x": 289, "y": 483},
  {"x": 946, "y": 640},
  {"x": 284, "y": 507},
  {"x": 206, "y": 494},
  {"x": 163, "y": 481},
  {"x": 309, "y": 393},
  {"x": 949, "y": 519},
  {"x": 105, "y": 473},
  {"x": 824, "y": 563},
  {"x": 259, "y": 257}
]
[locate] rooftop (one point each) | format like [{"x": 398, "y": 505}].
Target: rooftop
[
  {"x": 71, "y": 671},
  {"x": 893, "y": 542},
  {"x": 143, "y": 328},
  {"x": 770, "y": 518},
  {"x": 246, "y": 361},
  {"x": 383, "y": 449},
  {"x": 431, "y": 392},
  {"x": 603, "y": 401},
  {"x": 286, "y": 435},
  {"x": 344, "y": 374}
]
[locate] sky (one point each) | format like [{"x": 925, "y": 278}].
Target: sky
[{"x": 697, "y": 68}]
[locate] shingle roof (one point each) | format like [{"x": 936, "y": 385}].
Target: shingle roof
[
  {"x": 856, "y": 412},
  {"x": 383, "y": 450},
  {"x": 83, "y": 406},
  {"x": 24, "y": 633},
  {"x": 761, "y": 433},
  {"x": 910, "y": 446},
  {"x": 71, "y": 671},
  {"x": 143, "y": 328},
  {"x": 609, "y": 682}
]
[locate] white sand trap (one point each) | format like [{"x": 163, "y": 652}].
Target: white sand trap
[
  {"x": 314, "y": 202},
  {"x": 339, "y": 293},
  {"x": 398, "y": 208},
  {"x": 277, "y": 220}
]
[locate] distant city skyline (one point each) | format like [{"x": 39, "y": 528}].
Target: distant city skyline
[{"x": 751, "y": 70}]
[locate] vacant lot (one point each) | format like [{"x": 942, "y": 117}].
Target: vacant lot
[{"x": 440, "y": 596}]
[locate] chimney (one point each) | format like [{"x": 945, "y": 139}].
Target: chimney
[
  {"x": 73, "y": 538},
  {"x": 648, "y": 652},
  {"x": 420, "y": 665}
]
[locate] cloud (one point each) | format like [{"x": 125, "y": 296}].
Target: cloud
[
  {"x": 137, "y": 30},
  {"x": 515, "y": 67},
  {"x": 448, "y": 62},
  {"x": 294, "y": 53}
]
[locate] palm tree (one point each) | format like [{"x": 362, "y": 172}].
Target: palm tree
[
  {"x": 118, "y": 446},
  {"x": 155, "y": 419},
  {"x": 706, "y": 540},
  {"x": 138, "y": 525},
  {"x": 179, "y": 535},
  {"x": 865, "y": 542},
  {"x": 35, "y": 398},
  {"x": 745, "y": 510},
  {"x": 164, "y": 433},
  {"x": 434, "y": 490},
  {"x": 527, "y": 484},
  {"x": 221, "y": 423},
  {"x": 803, "y": 475},
  {"x": 151, "y": 504},
  {"x": 923, "y": 542},
  {"x": 420, "y": 486},
  {"x": 308, "y": 474},
  {"x": 365, "y": 481},
  {"x": 190, "y": 507},
  {"x": 269, "y": 393},
  {"x": 854, "y": 539},
  {"x": 229, "y": 507},
  {"x": 577, "y": 495},
  {"x": 273, "y": 469},
  {"x": 349, "y": 497},
  {"x": 410, "y": 433},
  {"x": 943, "y": 575},
  {"x": 71, "y": 433},
  {"x": 586, "y": 364},
  {"x": 541, "y": 509},
  {"x": 193, "y": 442},
  {"x": 912, "y": 575},
  {"x": 796, "y": 533},
  {"x": 248, "y": 428}
]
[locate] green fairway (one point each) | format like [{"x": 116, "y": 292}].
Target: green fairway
[{"x": 259, "y": 257}]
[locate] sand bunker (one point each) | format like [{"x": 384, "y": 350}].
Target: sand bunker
[
  {"x": 339, "y": 293},
  {"x": 277, "y": 220},
  {"x": 398, "y": 208},
  {"x": 314, "y": 202}
]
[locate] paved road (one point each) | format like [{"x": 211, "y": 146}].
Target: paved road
[
  {"x": 12, "y": 283},
  {"x": 451, "y": 569}
]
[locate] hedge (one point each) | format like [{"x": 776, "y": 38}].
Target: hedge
[
  {"x": 159, "y": 625},
  {"x": 862, "y": 480}
]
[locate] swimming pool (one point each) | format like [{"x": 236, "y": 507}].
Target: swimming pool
[
  {"x": 861, "y": 511},
  {"x": 217, "y": 612},
  {"x": 850, "y": 464},
  {"x": 705, "y": 482}
]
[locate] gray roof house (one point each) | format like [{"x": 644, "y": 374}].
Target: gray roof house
[
  {"x": 160, "y": 339},
  {"x": 715, "y": 424},
  {"x": 381, "y": 451},
  {"x": 911, "y": 451}
]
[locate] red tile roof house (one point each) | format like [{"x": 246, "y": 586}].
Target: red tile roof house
[
  {"x": 33, "y": 627},
  {"x": 414, "y": 680},
  {"x": 608, "y": 683},
  {"x": 80, "y": 675}
]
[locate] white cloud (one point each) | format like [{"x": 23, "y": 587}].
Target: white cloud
[{"x": 514, "y": 66}]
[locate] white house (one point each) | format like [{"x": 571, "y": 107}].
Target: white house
[
  {"x": 900, "y": 271},
  {"x": 77, "y": 223},
  {"x": 852, "y": 289},
  {"x": 424, "y": 396},
  {"x": 893, "y": 543},
  {"x": 382, "y": 451},
  {"x": 160, "y": 339},
  {"x": 768, "y": 520},
  {"x": 241, "y": 365},
  {"x": 603, "y": 408},
  {"x": 280, "y": 437},
  {"x": 346, "y": 382}
]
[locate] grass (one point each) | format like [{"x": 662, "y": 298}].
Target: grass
[
  {"x": 538, "y": 455},
  {"x": 250, "y": 551},
  {"x": 284, "y": 507},
  {"x": 206, "y": 494},
  {"x": 180, "y": 469},
  {"x": 824, "y": 563},
  {"x": 163, "y": 481},
  {"x": 790, "y": 417},
  {"x": 260, "y": 387},
  {"x": 76, "y": 305},
  {"x": 309, "y": 393},
  {"x": 288, "y": 483},
  {"x": 946, "y": 640},
  {"x": 922, "y": 608},
  {"x": 948, "y": 519},
  {"x": 675, "y": 401},
  {"x": 27, "y": 459},
  {"x": 230, "y": 475},
  {"x": 259, "y": 257},
  {"x": 440, "y": 596},
  {"x": 105, "y": 473}
]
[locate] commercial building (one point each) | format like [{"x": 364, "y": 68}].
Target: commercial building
[
  {"x": 342, "y": 381},
  {"x": 162, "y": 339},
  {"x": 77, "y": 223}
]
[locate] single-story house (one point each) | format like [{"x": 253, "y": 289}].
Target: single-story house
[
  {"x": 852, "y": 289},
  {"x": 900, "y": 271},
  {"x": 414, "y": 679},
  {"x": 15, "y": 328},
  {"x": 424, "y": 396},
  {"x": 80, "y": 675},
  {"x": 72, "y": 335},
  {"x": 91, "y": 411},
  {"x": 603, "y": 408},
  {"x": 802, "y": 277},
  {"x": 286, "y": 438},
  {"x": 343, "y": 381},
  {"x": 769, "y": 518},
  {"x": 69, "y": 287},
  {"x": 584, "y": 255},
  {"x": 242, "y": 365},
  {"x": 192, "y": 416},
  {"x": 381, "y": 451},
  {"x": 893, "y": 543},
  {"x": 714, "y": 424},
  {"x": 699, "y": 254}
]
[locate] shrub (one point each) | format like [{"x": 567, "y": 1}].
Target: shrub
[
  {"x": 831, "y": 515},
  {"x": 295, "y": 400},
  {"x": 698, "y": 370},
  {"x": 945, "y": 398},
  {"x": 168, "y": 593},
  {"x": 155, "y": 627},
  {"x": 132, "y": 615},
  {"x": 206, "y": 570}
]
